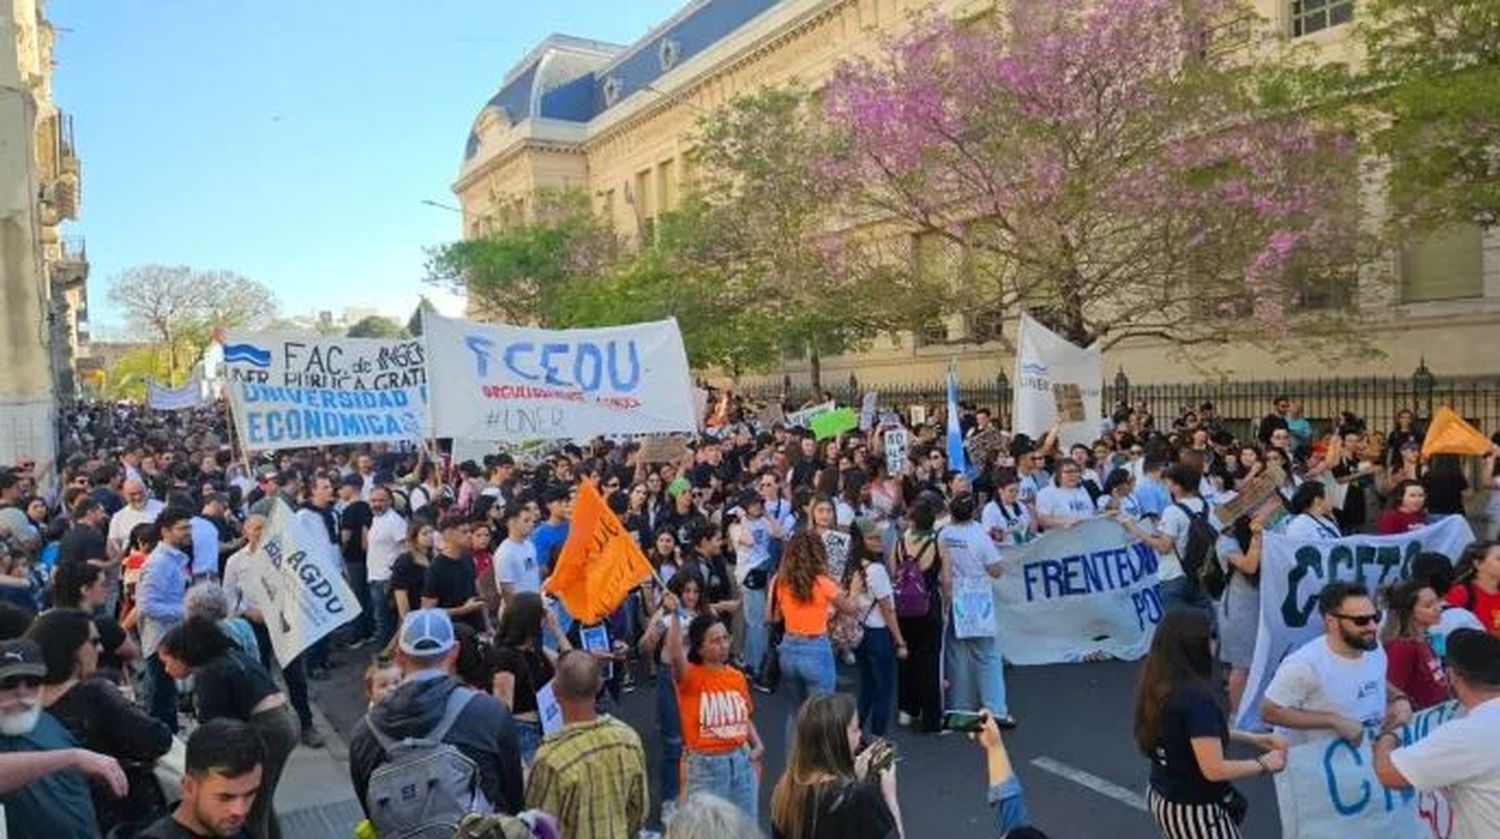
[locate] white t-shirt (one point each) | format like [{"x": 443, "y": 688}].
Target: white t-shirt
[
  {"x": 124, "y": 521},
  {"x": 1460, "y": 758},
  {"x": 515, "y": 564},
  {"x": 878, "y": 585},
  {"x": 387, "y": 538},
  {"x": 758, "y": 553},
  {"x": 1065, "y": 504},
  {"x": 968, "y": 549},
  {"x": 1310, "y": 527},
  {"x": 1315, "y": 678},
  {"x": 1174, "y": 524},
  {"x": 1013, "y": 524}
]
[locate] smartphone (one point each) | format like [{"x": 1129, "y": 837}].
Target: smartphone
[{"x": 966, "y": 721}]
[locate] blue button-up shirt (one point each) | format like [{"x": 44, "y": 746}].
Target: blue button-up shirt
[{"x": 159, "y": 595}]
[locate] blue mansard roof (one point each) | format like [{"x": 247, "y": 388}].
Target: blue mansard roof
[{"x": 575, "y": 80}]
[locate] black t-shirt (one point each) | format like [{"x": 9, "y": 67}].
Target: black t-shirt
[
  {"x": 168, "y": 828},
  {"x": 1191, "y": 712},
  {"x": 452, "y": 582},
  {"x": 1445, "y": 493},
  {"x": 531, "y": 669},
  {"x": 230, "y": 685},
  {"x": 103, "y": 720},
  {"x": 409, "y": 576},
  {"x": 80, "y": 544},
  {"x": 355, "y": 522},
  {"x": 718, "y": 584},
  {"x": 840, "y": 809}
]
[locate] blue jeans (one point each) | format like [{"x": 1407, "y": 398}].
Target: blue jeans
[
  {"x": 671, "y": 734},
  {"x": 729, "y": 776},
  {"x": 1180, "y": 593},
  {"x": 529, "y": 735},
  {"x": 754, "y": 608},
  {"x": 976, "y": 674},
  {"x": 876, "y": 657},
  {"x": 161, "y": 692},
  {"x": 380, "y": 608},
  {"x": 806, "y": 671}
]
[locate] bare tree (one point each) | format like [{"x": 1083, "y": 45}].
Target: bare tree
[{"x": 179, "y": 306}]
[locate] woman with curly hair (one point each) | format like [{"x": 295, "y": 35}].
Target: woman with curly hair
[{"x": 804, "y": 596}]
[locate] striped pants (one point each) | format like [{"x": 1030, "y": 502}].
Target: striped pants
[{"x": 1191, "y": 821}]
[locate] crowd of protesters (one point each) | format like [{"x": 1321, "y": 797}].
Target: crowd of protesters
[{"x": 779, "y": 558}]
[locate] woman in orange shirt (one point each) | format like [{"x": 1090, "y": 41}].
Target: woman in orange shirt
[
  {"x": 804, "y": 597},
  {"x": 722, "y": 749}
]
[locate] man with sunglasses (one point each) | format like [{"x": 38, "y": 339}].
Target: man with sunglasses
[
  {"x": 1336, "y": 683},
  {"x": 44, "y": 778}
]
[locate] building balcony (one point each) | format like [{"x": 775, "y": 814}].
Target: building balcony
[{"x": 71, "y": 267}]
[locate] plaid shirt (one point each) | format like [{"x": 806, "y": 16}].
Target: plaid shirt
[{"x": 592, "y": 777}]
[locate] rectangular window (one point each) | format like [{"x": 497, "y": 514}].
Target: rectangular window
[
  {"x": 1309, "y": 16},
  {"x": 644, "y": 207},
  {"x": 666, "y": 185},
  {"x": 986, "y": 326},
  {"x": 1444, "y": 265}
]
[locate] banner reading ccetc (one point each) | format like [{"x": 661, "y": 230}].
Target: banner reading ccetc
[{"x": 288, "y": 390}]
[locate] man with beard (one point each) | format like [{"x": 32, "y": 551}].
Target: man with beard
[
  {"x": 159, "y": 606},
  {"x": 223, "y": 777},
  {"x": 1336, "y": 683},
  {"x": 140, "y": 508},
  {"x": 44, "y": 776}
]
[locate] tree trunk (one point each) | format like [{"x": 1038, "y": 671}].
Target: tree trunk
[
  {"x": 171, "y": 359},
  {"x": 814, "y": 370}
]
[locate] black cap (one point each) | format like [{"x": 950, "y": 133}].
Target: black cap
[{"x": 21, "y": 657}]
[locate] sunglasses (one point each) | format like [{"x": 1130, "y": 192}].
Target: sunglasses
[
  {"x": 15, "y": 682},
  {"x": 1360, "y": 620}
]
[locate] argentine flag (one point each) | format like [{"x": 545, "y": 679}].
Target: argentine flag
[{"x": 958, "y": 460}]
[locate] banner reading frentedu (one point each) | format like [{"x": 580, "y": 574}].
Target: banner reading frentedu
[
  {"x": 288, "y": 390},
  {"x": 499, "y": 382},
  {"x": 1293, "y": 571},
  {"x": 1076, "y": 592}
]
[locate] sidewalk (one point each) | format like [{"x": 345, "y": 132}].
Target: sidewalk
[{"x": 315, "y": 799}]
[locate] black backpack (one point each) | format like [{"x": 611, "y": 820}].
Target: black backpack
[{"x": 1200, "y": 555}]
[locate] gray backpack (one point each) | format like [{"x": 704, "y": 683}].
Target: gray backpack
[{"x": 425, "y": 787}]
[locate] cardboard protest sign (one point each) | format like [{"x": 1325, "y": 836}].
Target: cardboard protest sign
[
  {"x": 1069, "y": 398},
  {"x": 1329, "y": 790},
  {"x": 837, "y": 543},
  {"x": 1293, "y": 571},
  {"x": 833, "y": 423},
  {"x": 1251, "y": 495},
  {"x": 600, "y": 562},
  {"x": 289, "y": 389},
  {"x": 896, "y": 442},
  {"x": 770, "y": 415},
  {"x": 984, "y": 444},
  {"x": 663, "y": 449},
  {"x": 511, "y": 383},
  {"x": 918, "y": 414},
  {"x": 1077, "y": 592},
  {"x": 1045, "y": 359},
  {"x": 867, "y": 410},
  {"x": 296, "y": 579}
]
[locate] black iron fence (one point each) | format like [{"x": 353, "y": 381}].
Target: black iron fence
[{"x": 1239, "y": 404}]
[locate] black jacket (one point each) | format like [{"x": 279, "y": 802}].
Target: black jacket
[{"x": 484, "y": 732}]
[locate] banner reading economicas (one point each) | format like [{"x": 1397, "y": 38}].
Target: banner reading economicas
[
  {"x": 1076, "y": 592},
  {"x": 507, "y": 383},
  {"x": 288, "y": 390},
  {"x": 1293, "y": 571}
]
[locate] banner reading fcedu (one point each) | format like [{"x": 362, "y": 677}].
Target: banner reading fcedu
[
  {"x": 299, "y": 587},
  {"x": 288, "y": 390},
  {"x": 505, "y": 383},
  {"x": 1329, "y": 790},
  {"x": 1075, "y": 592},
  {"x": 1045, "y": 359},
  {"x": 1293, "y": 571}
]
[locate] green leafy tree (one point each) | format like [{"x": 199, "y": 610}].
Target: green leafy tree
[
  {"x": 376, "y": 326},
  {"x": 414, "y": 323},
  {"x": 181, "y": 307}
]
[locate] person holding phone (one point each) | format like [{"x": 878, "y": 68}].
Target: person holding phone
[
  {"x": 1181, "y": 727},
  {"x": 831, "y": 789},
  {"x": 1005, "y": 794}
]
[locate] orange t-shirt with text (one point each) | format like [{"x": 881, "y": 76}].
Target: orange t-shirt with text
[
  {"x": 715, "y": 706},
  {"x": 808, "y": 617}
]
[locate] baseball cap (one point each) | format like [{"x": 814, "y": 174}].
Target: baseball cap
[
  {"x": 21, "y": 657},
  {"x": 427, "y": 632}
]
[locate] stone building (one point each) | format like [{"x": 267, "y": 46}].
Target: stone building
[
  {"x": 618, "y": 120},
  {"x": 43, "y": 274}
]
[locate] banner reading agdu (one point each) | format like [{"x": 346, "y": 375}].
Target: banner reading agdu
[
  {"x": 288, "y": 390},
  {"x": 1077, "y": 591},
  {"x": 297, "y": 584},
  {"x": 499, "y": 382},
  {"x": 1293, "y": 571},
  {"x": 1045, "y": 359},
  {"x": 1329, "y": 790}
]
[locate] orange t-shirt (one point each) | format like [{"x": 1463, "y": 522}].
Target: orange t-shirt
[
  {"x": 807, "y": 617},
  {"x": 715, "y": 706}
]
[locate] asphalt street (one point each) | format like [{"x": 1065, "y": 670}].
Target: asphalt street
[{"x": 1073, "y": 751}]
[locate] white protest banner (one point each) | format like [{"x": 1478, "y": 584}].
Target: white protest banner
[
  {"x": 1075, "y": 592},
  {"x": 296, "y": 579},
  {"x": 162, "y": 398},
  {"x": 494, "y": 381},
  {"x": 475, "y": 450},
  {"x": 288, "y": 390},
  {"x": 803, "y": 418},
  {"x": 896, "y": 441},
  {"x": 1293, "y": 571},
  {"x": 837, "y": 543},
  {"x": 867, "y": 410},
  {"x": 1045, "y": 359},
  {"x": 1329, "y": 790}
]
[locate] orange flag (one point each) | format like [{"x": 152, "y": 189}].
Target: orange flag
[
  {"x": 599, "y": 564},
  {"x": 1450, "y": 434}
]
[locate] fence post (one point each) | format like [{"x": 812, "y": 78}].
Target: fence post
[{"x": 1423, "y": 382}]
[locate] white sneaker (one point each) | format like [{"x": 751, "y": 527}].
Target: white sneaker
[
  {"x": 668, "y": 810},
  {"x": 903, "y": 718}
]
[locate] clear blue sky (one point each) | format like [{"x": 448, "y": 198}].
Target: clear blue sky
[{"x": 291, "y": 141}]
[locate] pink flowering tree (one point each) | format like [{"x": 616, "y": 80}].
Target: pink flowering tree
[{"x": 1123, "y": 169}]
